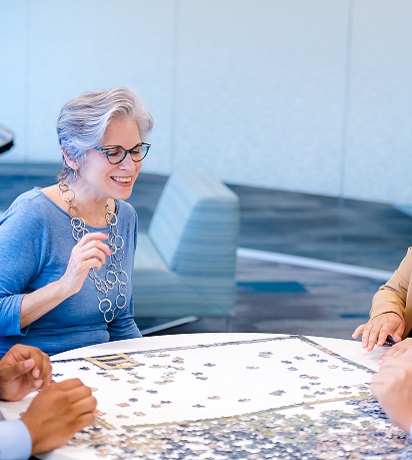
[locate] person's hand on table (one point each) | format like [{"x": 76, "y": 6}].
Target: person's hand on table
[
  {"x": 392, "y": 387},
  {"x": 376, "y": 330},
  {"x": 397, "y": 350},
  {"x": 23, "y": 369},
  {"x": 57, "y": 413}
]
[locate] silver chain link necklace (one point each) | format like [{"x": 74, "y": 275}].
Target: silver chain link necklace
[{"x": 115, "y": 275}]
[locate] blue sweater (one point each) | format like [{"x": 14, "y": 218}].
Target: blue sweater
[{"x": 36, "y": 242}]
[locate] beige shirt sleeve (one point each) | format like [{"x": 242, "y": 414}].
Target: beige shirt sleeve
[{"x": 395, "y": 296}]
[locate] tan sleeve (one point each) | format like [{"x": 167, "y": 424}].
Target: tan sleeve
[{"x": 393, "y": 296}]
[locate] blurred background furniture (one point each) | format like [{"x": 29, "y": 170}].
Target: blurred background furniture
[
  {"x": 6, "y": 140},
  {"x": 186, "y": 263}
]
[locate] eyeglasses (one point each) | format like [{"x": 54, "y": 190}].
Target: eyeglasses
[{"x": 117, "y": 153}]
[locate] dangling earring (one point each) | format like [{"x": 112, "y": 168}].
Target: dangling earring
[{"x": 74, "y": 174}]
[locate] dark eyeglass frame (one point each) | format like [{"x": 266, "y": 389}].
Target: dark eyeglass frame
[{"x": 107, "y": 151}]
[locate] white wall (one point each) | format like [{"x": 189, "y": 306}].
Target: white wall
[{"x": 310, "y": 96}]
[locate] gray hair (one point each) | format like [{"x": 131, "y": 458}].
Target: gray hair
[{"x": 83, "y": 121}]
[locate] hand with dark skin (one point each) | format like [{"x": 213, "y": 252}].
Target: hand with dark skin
[
  {"x": 57, "y": 413},
  {"x": 377, "y": 329},
  {"x": 23, "y": 370},
  {"x": 60, "y": 409}
]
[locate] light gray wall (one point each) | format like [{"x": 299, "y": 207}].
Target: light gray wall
[{"x": 312, "y": 96}]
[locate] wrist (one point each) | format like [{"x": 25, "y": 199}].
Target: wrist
[
  {"x": 390, "y": 311},
  {"x": 62, "y": 289},
  {"x": 32, "y": 432}
]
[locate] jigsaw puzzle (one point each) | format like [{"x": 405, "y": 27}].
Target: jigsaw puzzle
[{"x": 282, "y": 397}]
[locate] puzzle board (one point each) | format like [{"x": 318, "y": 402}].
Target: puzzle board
[{"x": 275, "y": 397}]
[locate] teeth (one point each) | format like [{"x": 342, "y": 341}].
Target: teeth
[{"x": 122, "y": 179}]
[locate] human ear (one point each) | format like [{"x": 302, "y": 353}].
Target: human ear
[{"x": 72, "y": 164}]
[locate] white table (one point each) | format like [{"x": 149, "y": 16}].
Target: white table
[{"x": 228, "y": 396}]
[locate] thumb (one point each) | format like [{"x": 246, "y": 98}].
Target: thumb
[
  {"x": 18, "y": 369},
  {"x": 397, "y": 335}
]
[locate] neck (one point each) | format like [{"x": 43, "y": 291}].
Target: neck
[{"x": 91, "y": 209}]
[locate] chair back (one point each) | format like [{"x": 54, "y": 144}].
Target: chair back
[{"x": 195, "y": 226}]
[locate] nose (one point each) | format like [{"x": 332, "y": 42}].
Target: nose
[{"x": 127, "y": 162}]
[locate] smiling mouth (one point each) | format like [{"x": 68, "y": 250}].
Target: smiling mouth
[{"x": 123, "y": 180}]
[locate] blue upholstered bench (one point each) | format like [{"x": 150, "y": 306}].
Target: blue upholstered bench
[{"x": 186, "y": 263}]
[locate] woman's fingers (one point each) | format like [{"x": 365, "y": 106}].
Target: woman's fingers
[
  {"x": 372, "y": 338},
  {"x": 95, "y": 236},
  {"x": 91, "y": 247},
  {"x": 358, "y": 331},
  {"x": 90, "y": 252},
  {"x": 95, "y": 252},
  {"x": 376, "y": 330},
  {"x": 383, "y": 335},
  {"x": 91, "y": 240},
  {"x": 397, "y": 335},
  {"x": 369, "y": 336}
]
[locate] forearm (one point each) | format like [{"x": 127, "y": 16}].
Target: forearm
[
  {"x": 393, "y": 294},
  {"x": 39, "y": 302},
  {"x": 388, "y": 300}
]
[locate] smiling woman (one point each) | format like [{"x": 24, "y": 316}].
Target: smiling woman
[{"x": 72, "y": 288}]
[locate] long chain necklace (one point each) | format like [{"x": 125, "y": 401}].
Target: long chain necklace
[{"x": 115, "y": 275}]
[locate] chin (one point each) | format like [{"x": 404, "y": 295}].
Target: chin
[{"x": 122, "y": 195}]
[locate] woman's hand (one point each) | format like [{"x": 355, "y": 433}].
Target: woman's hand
[
  {"x": 376, "y": 330},
  {"x": 89, "y": 252}
]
